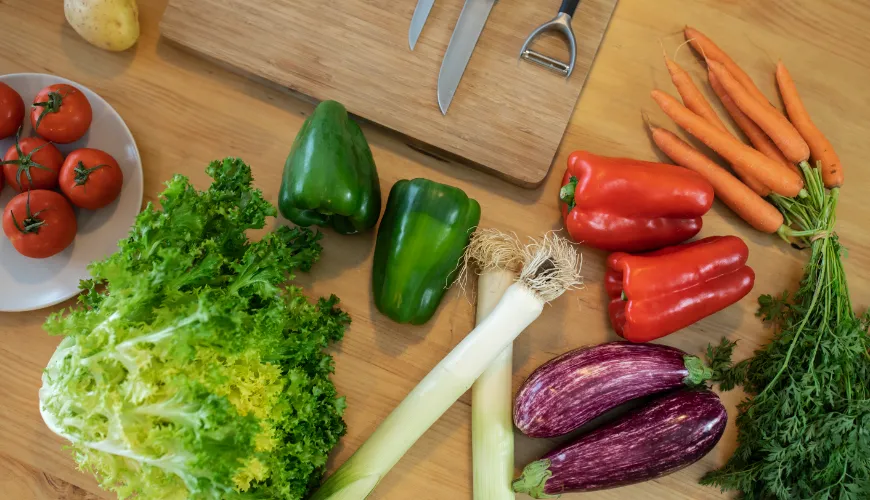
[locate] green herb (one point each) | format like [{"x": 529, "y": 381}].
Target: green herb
[
  {"x": 804, "y": 432},
  {"x": 190, "y": 370}
]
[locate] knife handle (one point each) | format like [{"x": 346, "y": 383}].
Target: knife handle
[{"x": 568, "y": 7}]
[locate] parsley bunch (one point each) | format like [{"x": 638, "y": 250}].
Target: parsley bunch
[{"x": 804, "y": 431}]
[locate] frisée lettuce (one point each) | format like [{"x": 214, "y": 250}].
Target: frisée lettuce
[{"x": 190, "y": 370}]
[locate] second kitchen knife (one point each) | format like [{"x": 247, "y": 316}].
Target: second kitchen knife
[
  {"x": 421, "y": 13},
  {"x": 462, "y": 42}
]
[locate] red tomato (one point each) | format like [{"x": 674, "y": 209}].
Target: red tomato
[
  {"x": 90, "y": 178},
  {"x": 39, "y": 223},
  {"x": 61, "y": 113},
  {"x": 11, "y": 111},
  {"x": 32, "y": 159}
]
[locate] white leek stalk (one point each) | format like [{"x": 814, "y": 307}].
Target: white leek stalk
[
  {"x": 498, "y": 258},
  {"x": 549, "y": 269},
  {"x": 492, "y": 432}
]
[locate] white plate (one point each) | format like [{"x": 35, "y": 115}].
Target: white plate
[{"x": 27, "y": 284}]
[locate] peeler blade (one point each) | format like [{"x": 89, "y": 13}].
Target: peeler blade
[{"x": 561, "y": 24}]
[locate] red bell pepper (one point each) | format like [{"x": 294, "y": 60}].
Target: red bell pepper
[
  {"x": 619, "y": 204},
  {"x": 657, "y": 293}
]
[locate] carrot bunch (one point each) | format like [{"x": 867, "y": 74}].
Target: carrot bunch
[{"x": 781, "y": 147}]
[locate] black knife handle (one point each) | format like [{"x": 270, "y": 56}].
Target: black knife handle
[{"x": 568, "y": 7}]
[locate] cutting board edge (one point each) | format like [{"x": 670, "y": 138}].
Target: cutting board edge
[{"x": 413, "y": 144}]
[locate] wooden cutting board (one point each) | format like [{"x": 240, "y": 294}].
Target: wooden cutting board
[{"x": 507, "y": 117}]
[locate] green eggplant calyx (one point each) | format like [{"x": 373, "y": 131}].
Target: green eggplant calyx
[
  {"x": 533, "y": 479},
  {"x": 698, "y": 371}
]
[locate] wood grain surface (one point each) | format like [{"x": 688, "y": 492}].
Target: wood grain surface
[
  {"x": 506, "y": 117},
  {"x": 184, "y": 112}
]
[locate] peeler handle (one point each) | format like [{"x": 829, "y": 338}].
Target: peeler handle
[{"x": 568, "y": 7}]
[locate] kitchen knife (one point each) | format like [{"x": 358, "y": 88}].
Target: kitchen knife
[
  {"x": 421, "y": 13},
  {"x": 462, "y": 42}
]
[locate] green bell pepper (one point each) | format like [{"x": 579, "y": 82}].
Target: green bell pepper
[
  {"x": 422, "y": 236},
  {"x": 330, "y": 178}
]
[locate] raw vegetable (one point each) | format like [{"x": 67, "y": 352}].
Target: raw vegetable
[
  {"x": 549, "y": 269},
  {"x": 11, "y": 111},
  {"x": 711, "y": 52},
  {"x": 61, "y": 113},
  {"x": 768, "y": 118},
  {"x": 572, "y": 389},
  {"x": 691, "y": 95},
  {"x": 697, "y": 103},
  {"x": 803, "y": 430},
  {"x": 330, "y": 178},
  {"x": 820, "y": 147},
  {"x": 756, "y": 136},
  {"x": 32, "y": 163},
  {"x": 666, "y": 205},
  {"x": 658, "y": 293},
  {"x": 90, "y": 178},
  {"x": 420, "y": 243},
  {"x": 757, "y": 212},
  {"x": 778, "y": 178},
  {"x": 39, "y": 223},
  {"x": 107, "y": 24},
  {"x": 669, "y": 434},
  {"x": 498, "y": 257},
  {"x": 189, "y": 370}
]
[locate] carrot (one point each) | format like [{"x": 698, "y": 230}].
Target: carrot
[
  {"x": 691, "y": 95},
  {"x": 756, "y": 136},
  {"x": 775, "y": 176},
  {"x": 710, "y": 50},
  {"x": 820, "y": 147},
  {"x": 697, "y": 103},
  {"x": 752, "y": 208},
  {"x": 768, "y": 118}
]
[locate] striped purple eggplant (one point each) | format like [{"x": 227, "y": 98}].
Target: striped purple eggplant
[
  {"x": 670, "y": 433},
  {"x": 574, "y": 388}
]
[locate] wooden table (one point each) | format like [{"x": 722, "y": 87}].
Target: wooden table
[{"x": 185, "y": 112}]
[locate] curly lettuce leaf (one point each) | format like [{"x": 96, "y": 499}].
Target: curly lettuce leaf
[{"x": 190, "y": 369}]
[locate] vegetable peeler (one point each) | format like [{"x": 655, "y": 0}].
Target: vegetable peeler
[{"x": 562, "y": 24}]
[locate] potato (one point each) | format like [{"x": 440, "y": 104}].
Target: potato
[{"x": 108, "y": 24}]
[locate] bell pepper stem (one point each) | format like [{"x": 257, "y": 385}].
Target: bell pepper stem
[{"x": 566, "y": 194}]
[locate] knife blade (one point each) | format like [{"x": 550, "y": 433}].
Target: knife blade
[
  {"x": 421, "y": 13},
  {"x": 462, "y": 42}
]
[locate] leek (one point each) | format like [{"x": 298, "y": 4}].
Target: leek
[
  {"x": 498, "y": 258},
  {"x": 549, "y": 269}
]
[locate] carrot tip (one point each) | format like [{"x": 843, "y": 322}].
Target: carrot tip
[
  {"x": 647, "y": 120},
  {"x": 680, "y": 46}
]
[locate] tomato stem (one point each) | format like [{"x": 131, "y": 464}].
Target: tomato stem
[
  {"x": 25, "y": 162},
  {"x": 32, "y": 222},
  {"x": 82, "y": 173},
  {"x": 52, "y": 105}
]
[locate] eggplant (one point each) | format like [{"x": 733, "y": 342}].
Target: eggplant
[
  {"x": 574, "y": 388},
  {"x": 672, "y": 432}
]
